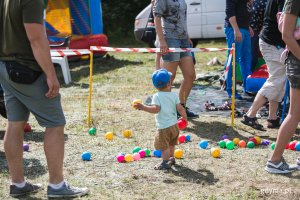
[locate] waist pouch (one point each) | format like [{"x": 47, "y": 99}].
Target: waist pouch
[{"x": 19, "y": 73}]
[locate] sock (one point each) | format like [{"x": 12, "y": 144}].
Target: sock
[
  {"x": 56, "y": 186},
  {"x": 19, "y": 185}
]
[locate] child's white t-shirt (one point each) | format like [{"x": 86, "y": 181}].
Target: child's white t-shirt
[{"x": 167, "y": 116}]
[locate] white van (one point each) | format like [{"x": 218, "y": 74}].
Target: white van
[{"x": 205, "y": 19}]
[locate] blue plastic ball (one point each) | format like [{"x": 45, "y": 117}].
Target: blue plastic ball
[
  {"x": 157, "y": 153},
  {"x": 297, "y": 147},
  {"x": 86, "y": 156},
  {"x": 224, "y": 137},
  {"x": 203, "y": 144},
  {"x": 187, "y": 138}
]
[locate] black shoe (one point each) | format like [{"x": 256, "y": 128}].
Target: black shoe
[
  {"x": 190, "y": 114},
  {"x": 27, "y": 189}
]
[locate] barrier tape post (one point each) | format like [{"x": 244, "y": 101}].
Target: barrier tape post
[
  {"x": 233, "y": 86},
  {"x": 90, "y": 89}
]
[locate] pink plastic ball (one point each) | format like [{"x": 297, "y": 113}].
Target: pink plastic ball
[
  {"x": 120, "y": 158},
  {"x": 226, "y": 140},
  {"x": 136, "y": 156},
  {"x": 142, "y": 153}
]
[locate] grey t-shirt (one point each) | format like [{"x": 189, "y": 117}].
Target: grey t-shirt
[{"x": 173, "y": 14}]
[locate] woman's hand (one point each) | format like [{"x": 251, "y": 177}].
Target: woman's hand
[
  {"x": 237, "y": 35},
  {"x": 251, "y": 31},
  {"x": 163, "y": 47}
]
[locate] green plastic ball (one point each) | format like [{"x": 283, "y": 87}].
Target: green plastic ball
[
  {"x": 273, "y": 145},
  {"x": 250, "y": 144},
  {"x": 92, "y": 131},
  {"x": 148, "y": 152},
  {"x": 136, "y": 149},
  {"x": 222, "y": 144},
  {"x": 230, "y": 145}
]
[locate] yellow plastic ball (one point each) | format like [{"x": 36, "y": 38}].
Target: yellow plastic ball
[
  {"x": 127, "y": 133},
  {"x": 128, "y": 158},
  {"x": 236, "y": 141},
  {"x": 109, "y": 135},
  {"x": 136, "y": 101},
  {"x": 215, "y": 152},
  {"x": 258, "y": 139},
  {"x": 178, "y": 153}
]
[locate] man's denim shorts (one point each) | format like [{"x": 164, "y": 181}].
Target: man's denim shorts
[
  {"x": 293, "y": 70},
  {"x": 176, "y": 43}
]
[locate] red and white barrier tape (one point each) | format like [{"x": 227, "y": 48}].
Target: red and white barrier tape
[
  {"x": 79, "y": 52},
  {"x": 69, "y": 52},
  {"x": 153, "y": 50}
]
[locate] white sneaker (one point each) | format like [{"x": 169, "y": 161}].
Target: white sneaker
[{"x": 280, "y": 168}]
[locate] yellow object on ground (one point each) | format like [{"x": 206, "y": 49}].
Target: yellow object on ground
[
  {"x": 128, "y": 158},
  {"x": 258, "y": 139},
  {"x": 127, "y": 133},
  {"x": 236, "y": 141},
  {"x": 215, "y": 152},
  {"x": 178, "y": 153},
  {"x": 109, "y": 135}
]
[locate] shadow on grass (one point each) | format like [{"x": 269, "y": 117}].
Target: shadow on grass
[
  {"x": 37, "y": 136},
  {"x": 201, "y": 176},
  {"x": 214, "y": 130},
  {"x": 80, "y": 69},
  {"x": 28, "y": 198}
]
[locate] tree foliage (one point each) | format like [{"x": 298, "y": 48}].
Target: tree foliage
[{"x": 119, "y": 15}]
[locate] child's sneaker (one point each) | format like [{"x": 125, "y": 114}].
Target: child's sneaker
[
  {"x": 280, "y": 168},
  {"x": 15, "y": 191},
  {"x": 66, "y": 191}
]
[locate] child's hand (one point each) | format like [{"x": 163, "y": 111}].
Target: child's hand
[{"x": 138, "y": 106}]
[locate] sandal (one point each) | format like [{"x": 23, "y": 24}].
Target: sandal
[
  {"x": 210, "y": 106},
  {"x": 274, "y": 123},
  {"x": 252, "y": 122},
  {"x": 162, "y": 166},
  {"x": 171, "y": 161},
  {"x": 225, "y": 106}
]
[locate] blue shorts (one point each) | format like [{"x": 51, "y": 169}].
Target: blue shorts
[{"x": 176, "y": 43}]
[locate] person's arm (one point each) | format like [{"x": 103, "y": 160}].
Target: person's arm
[
  {"x": 150, "y": 109},
  {"x": 41, "y": 51},
  {"x": 159, "y": 31},
  {"x": 181, "y": 111},
  {"x": 289, "y": 21},
  {"x": 230, "y": 13}
]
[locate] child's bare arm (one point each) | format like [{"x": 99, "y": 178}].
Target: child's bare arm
[
  {"x": 181, "y": 111},
  {"x": 150, "y": 109}
]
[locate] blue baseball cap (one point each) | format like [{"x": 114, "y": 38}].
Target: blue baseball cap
[{"x": 160, "y": 78}]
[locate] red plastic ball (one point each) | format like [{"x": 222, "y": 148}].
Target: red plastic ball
[
  {"x": 182, "y": 124},
  {"x": 253, "y": 140},
  {"x": 181, "y": 139},
  {"x": 292, "y": 145},
  {"x": 27, "y": 128}
]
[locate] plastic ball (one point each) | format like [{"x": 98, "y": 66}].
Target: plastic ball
[
  {"x": 258, "y": 139},
  {"x": 229, "y": 145},
  {"x": 224, "y": 137},
  {"x": 127, "y": 133},
  {"x": 26, "y": 147},
  {"x": 86, "y": 156},
  {"x": 215, "y": 152},
  {"x": 297, "y": 147},
  {"x": 236, "y": 141},
  {"x": 120, "y": 158},
  {"x": 109, "y": 135},
  {"x": 181, "y": 124},
  {"x": 27, "y": 128},
  {"x": 181, "y": 139},
  {"x": 287, "y": 146},
  {"x": 92, "y": 131},
  {"x": 136, "y": 101},
  {"x": 226, "y": 140},
  {"x": 187, "y": 138},
  {"x": 128, "y": 158},
  {"x": 273, "y": 145},
  {"x": 250, "y": 144},
  {"x": 242, "y": 144},
  {"x": 203, "y": 144},
  {"x": 136, "y": 149},
  {"x": 142, "y": 153},
  {"x": 148, "y": 152},
  {"x": 136, "y": 156},
  {"x": 253, "y": 140},
  {"x": 157, "y": 153},
  {"x": 178, "y": 153},
  {"x": 265, "y": 142},
  {"x": 222, "y": 144},
  {"x": 292, "y": 145}
]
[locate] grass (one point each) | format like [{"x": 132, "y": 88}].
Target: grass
[{"x": 118, "y": 80}]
